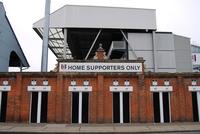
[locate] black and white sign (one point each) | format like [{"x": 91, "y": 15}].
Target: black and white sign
[
  {"x": 161, "y": 89},
  {"x": 99, "y": 67},
  {"x": 194, "y": 88},
  {"x": 5, "y": 88}
]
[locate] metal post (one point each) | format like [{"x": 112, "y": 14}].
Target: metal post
[
  {"x": 169, "y": 97},
  {"x": 198, "y": 103},
  {"x": 154, "y": 52},
  {"x": 93, "y": 44},
  {"x": 65, "y": 44},
  {"x": 161, "y": 107},
  {"x": 39, "y": 106},
  {"x": 44, "y": 63},
  {"x": 30, "y": 107},
  {"x": 128, "y": 43},
  {"x": 121, "y": 107},
  {"x": 80, "y": 108}
]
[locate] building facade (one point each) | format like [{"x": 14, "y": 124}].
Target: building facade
[
  {"x": 195, "y": 58},
  {"x": 175, "y": 102},
  {"x": 100, "y": 96},
  {"x": 11, "y": 54}
]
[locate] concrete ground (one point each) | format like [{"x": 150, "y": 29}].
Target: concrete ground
[{"x": 10, "y": 128}]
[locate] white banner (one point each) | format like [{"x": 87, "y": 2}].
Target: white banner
[{"x": 99, "y": 67}]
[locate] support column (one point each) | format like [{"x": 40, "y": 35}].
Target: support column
[
  {"x": 44, "y": 63},
  {"x": 121, "y": 107},
  {"x": 198, "y": 103},
  {"x": 39, "y": 106},
  {"x": 169, "y": 97},
  {"x": 30, "y": 107},
  {"x": 161, "y": 107},
  {"x": 154, "y": 52},
  {"x": 65, "y": 44},
  {"x": 80, "y": 108}
]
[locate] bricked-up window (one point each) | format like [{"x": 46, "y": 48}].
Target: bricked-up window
[
  {"x": 116, "y": 108},
  {"x": 34, "y": 102},
  {"x": 75, "y": 102},
  {"x": 156, "y": 106},
  {"x": 3, "y": 106},
  {"x": 80, "y": 115},
  {"x": 34, "y": 107},
  {"x": 125, "y": 107},
  {"x": 166, "y": 107},
  {"x": 195, "y": 107}
]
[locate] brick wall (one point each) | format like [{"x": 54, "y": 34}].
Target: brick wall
[{"x": 100, "y": 99}]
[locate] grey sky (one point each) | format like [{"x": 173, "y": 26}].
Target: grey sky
[{"x": 181, "y": 17}]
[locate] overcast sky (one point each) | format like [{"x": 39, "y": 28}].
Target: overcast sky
[{"x": 181, "y": 17}]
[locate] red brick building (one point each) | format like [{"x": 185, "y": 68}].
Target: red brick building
[
  {"x": 58, "y": 105},
  {"x": 99, "y": 97}
]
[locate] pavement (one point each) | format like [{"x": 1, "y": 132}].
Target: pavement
[{"x": 15, "y": 128}]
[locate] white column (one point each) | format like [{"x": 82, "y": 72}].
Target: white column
[
  {"x": 198, "y": 103},
  {"x": 65, "y": 44},
  {"x": 44, "y": 63},
  {"x": 169, "y": 97},
  {"x": 161, "y": 107},
  {"x": 30, "y": 107},
  {"x": 39, "y": 106},
  {"x": 121, "y": 106},
  {"x": 0, "y": 100},
  {"x": 80, "y": 108}
]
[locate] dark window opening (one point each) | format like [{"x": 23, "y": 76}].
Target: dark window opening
[
  {"x": 156, "y": 107},
  {"x": 75, "y": 103},
  {"x": 166, "y": 107},
  {"x": 116, "y": 108},
  {"x": 85, "y": 103},
  {"x": 80, "y": 41},
  {"x": 126, "y": 107},
  {"x": 3, "y": 106},
  {"x": 34, "y": 107},
  {"x": 44, "y": 107},
  {"x": 195, "y": 107}
]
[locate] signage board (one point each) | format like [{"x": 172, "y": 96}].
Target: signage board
[
  {"x": 99, "y": 67},
  {"x": 5, "y": 88},
  {"x": 80, "y": 88},
  {"x": 161, "y": 89},
  {"x": 39, "y": 88},
  {"x": 194, "y": 88},
  {"x": 121, "y": 88}
]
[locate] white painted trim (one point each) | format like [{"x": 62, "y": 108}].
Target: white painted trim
[
  {"x": 30, "y": 107},
  {"x": 39, "y": 106},
  {"x": 39, "y": 88},
  {"x": 80, "y": 108},
  {"x": 5, "y": 88},
  {"x": 194, "y": 88},
  {"x": 80, "y": 88},
  {"x": 121, "y": 88},
  {"x": 170, "y": 114},
  {"x": 161, "y": 107},
  {"x": 161, "y": 88},
  {"x": 198, "y": 103},
  {"x": 121, "y": 107}
]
